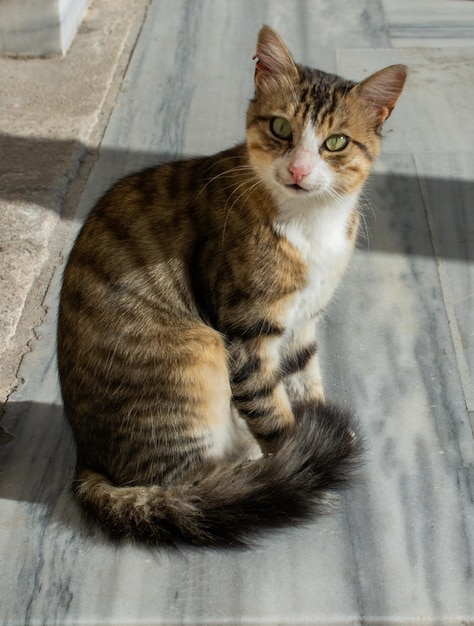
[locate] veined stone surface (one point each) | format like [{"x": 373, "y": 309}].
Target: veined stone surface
[{"x": 396, "y": 343}]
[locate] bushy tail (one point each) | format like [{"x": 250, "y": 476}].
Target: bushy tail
[{"x": 229, "y": 504}]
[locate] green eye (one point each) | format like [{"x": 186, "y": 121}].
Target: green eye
[
  {"x": 336, "y": 143},
  {"x": 281, "y": 128}
]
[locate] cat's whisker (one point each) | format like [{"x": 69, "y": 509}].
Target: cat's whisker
[
  {"x": 365, "y": 230},
  {"x": 233, "y": 185},
  {"x": 229, "y": 172},
  {"x": 237, "y": 168},
  {"x": 229, "y": 210},
  {"x": 364, "y": 205},
  {"x": 214, "y": 164}
]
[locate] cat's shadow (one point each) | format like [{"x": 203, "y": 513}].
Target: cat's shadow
[
  {"x": 37, "y": 455},
  {"x": 37, "y": 465}
]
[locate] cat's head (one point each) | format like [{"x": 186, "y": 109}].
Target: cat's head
[{"x": 311, "y": 134}]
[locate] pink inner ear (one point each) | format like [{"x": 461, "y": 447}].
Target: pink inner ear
[
  {"x": 383, "y": 89},
  {"x": 272, "y": 56},
  {"x": 385, "y": 113},
  {"x": 259, "y": 66}
]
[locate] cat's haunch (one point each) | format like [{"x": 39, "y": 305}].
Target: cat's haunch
[{"x": 187, "y": 346}]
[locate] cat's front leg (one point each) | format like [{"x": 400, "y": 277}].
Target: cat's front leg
[
  {"x": 258, "y": 391},
  {"x": 300, "y": 366}
]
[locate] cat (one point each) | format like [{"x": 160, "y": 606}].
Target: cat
[{"x": 186, "y": 332}]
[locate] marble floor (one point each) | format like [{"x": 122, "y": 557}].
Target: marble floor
[{"x": 397, "y": 343}]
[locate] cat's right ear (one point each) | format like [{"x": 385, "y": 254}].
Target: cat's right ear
[{"x": 273, "y": 59}]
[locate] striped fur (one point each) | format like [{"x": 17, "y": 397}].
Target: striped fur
[{"x": 186, "y": 333}]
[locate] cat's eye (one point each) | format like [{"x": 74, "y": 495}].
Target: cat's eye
[
  {"x": 336, "y": 143},
  {"x": 281, "y": 128}
]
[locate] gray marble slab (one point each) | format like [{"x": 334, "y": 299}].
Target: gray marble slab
[
  {"x": 400, "y": 547},
  {"x": 448, "y": 188},
  {"x": 429, "y": 23},
  {"x": 195, "y": 66}
]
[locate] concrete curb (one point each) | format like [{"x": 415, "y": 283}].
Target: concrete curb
[{"x": 53, "y": 114}]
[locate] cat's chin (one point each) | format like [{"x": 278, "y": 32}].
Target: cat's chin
[{"x": 295, "y": 198}]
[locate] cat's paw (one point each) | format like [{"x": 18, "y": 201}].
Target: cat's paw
[{"x": 254, "y": 453}]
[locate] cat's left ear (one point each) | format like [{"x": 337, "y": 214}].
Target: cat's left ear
[
  {"x": 382, "y": 89},
  {"x": 273, "y": 58}
]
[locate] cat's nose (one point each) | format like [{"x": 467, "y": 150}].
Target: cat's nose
[{"x": 298, "y": 172}]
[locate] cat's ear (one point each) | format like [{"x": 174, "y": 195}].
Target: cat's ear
[
  {"x": 381, "y": 90},
  {"x": 273, "y": 58}
]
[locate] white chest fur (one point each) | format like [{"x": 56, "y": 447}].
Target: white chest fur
[{"x": 320, "y": 233}]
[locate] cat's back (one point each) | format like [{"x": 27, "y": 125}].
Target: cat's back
[
  {"x": 164, "y": 204},
  {"x": 143, "y": 230}
]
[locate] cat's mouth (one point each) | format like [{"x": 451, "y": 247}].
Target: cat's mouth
[
  {"x": 302, "y": 188},
  {"x": 297, "y": 188}
]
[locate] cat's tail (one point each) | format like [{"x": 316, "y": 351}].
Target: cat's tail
[{"x": 229, "y": 504}]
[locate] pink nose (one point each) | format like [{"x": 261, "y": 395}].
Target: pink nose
[{"x": 298, "y": 172}]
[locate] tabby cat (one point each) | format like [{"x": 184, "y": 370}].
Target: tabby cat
[{"x": 186, "y": 334}]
